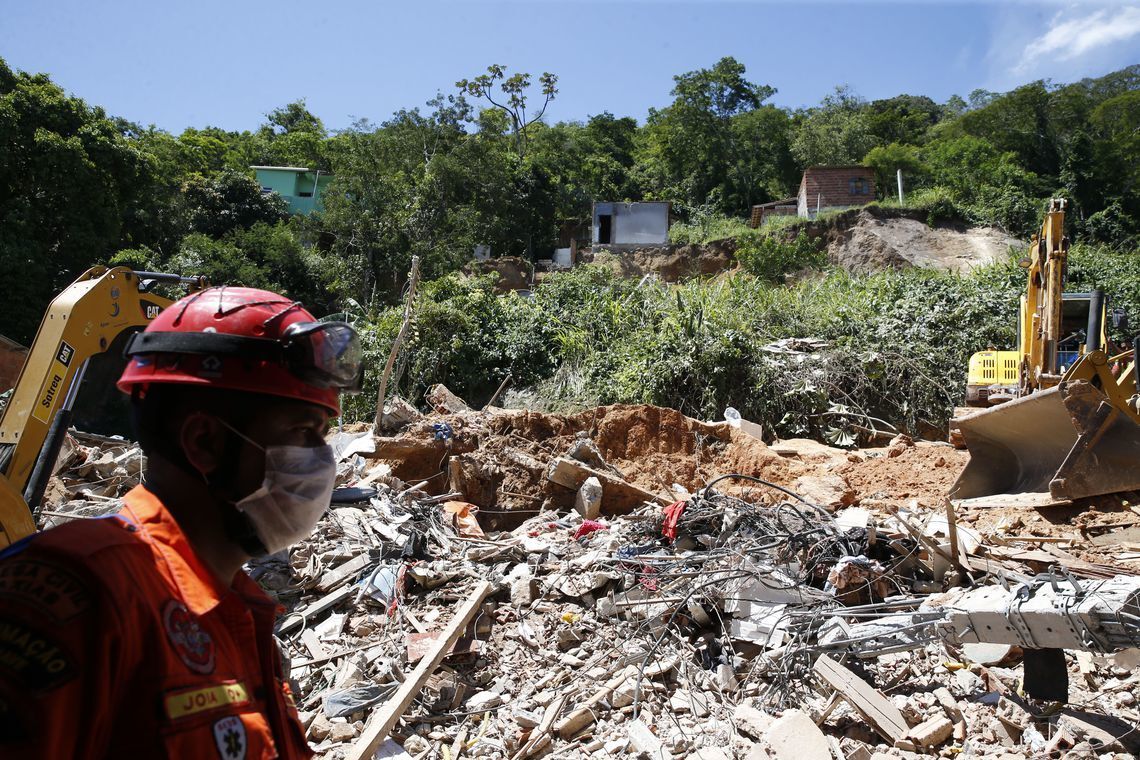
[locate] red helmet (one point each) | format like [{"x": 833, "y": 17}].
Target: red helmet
[{"x": 245, "y": 339}]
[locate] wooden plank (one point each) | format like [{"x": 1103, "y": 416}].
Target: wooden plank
[
  {"x": 344, "y": 572},
  {"x": 295, "y": 619},
  {"x": 879, "y": 711},
  {"x": 620, "y": 495},
  {"x": 381, "y": 722},
  {"x": 313, "y": 643}
]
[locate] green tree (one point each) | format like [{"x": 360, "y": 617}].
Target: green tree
[
  {"x": 71, "y": 180},
  {"x": 708, "y": 147},
  {"x": 587, "y": 162},
  {"x": 292, "y": 136},
  {"x": 514, "y": 98},
  {"x": 902, "y": 119},
  {"x": 228, "y": 201},
  {"x": 887, "y": 160},
  {"x": 837, "y": 132}
]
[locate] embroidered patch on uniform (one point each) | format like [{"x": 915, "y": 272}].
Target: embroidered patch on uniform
[
  {"x": 186, "y": 702},
  {"x": 194, "y": 646},
  {"x": 45, "y": 586},
  {"x": 229, "y": 737},
  {"x": 36, "y": 660}
]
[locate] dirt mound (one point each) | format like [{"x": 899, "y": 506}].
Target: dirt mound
[
  {"x": 671, "y": 263},
  {"x": 924, "y": 472},
  {"x": 499, "y": 459},
  {"x": 872, "y": 243},
  {"x": 651, "y": 447},
  {"x": 514, "y": 273}
]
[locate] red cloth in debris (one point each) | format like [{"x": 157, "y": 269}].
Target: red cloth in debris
[
  {"x": 672, "y": 513},
  {"x": 587, "y": 527}
]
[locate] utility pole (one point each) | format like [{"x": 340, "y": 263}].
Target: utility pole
[{"x": 899, "y": 175}]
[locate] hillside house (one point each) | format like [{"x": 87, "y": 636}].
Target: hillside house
[
  {"x": 300, "y": 187},
  {"x": 825, "y": 188},
  {"x": 630, "y": 224}
]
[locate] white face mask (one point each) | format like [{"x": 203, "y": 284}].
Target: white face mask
[{"x": 295, "y": 492}]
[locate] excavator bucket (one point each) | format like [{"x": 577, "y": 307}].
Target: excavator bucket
[{"x": 1064, "y": 443}]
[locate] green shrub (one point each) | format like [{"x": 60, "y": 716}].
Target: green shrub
[
  {"x": 895, "y": 345},
  {"x": 704, "y": 227},
  {"x": 772, "y": 257}
]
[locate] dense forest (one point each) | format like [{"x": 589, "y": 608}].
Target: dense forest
[{"x": 478, "y": 165}]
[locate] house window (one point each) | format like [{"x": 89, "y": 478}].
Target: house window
[
  {"x": 305, "y": 195},
  {"x": 857, "y": 186}
]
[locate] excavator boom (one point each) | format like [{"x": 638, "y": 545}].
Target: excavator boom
[{"x": 86, "y": 319}]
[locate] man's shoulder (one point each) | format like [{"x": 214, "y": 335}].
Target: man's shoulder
[
  {"x": 79, "y": 539},
  {"x": 66, "y": 572},
  {"x": 95, "y": 551}
]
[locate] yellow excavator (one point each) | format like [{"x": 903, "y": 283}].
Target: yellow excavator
[
  {"x": 95, "y": 315},
  {"x": 1060, "y": 419}
]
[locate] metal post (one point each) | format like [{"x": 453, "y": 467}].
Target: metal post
[
  {"x": 57, "y": 431},
  {"x": 899, "y": 175}
]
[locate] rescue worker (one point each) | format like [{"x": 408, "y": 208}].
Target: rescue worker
[{"x": 139, "y": 635}]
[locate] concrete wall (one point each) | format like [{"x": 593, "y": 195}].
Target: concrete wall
[{"x": 632, "y": 223}]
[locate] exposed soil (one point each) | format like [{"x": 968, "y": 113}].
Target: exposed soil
[
  {"x": 872, "y": 244},
  {"x": 514, "y": 273},
  {"x": 923, "y": 472},
  {"x": 671, "y": 263},
  {"x": 498, "y": 460}
]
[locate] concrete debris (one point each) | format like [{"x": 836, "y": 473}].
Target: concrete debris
[{"x": 508, "y": 584}]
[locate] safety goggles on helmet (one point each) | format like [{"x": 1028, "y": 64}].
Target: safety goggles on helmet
[{"x": 320, "y": 354}]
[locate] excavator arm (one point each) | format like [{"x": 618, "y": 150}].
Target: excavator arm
[{"x": 82, "y": 321}]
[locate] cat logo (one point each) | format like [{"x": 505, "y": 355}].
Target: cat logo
[
  {"x": 151, "y": 310},
  {"x": 49, "y": 393}
]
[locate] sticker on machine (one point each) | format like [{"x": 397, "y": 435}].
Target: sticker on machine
[
  {"x": 52, "y": 389},
  {"x": 229, "y": 738},
  {"x": 194, "y": 646}
]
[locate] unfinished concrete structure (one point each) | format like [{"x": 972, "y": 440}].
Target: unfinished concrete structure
[{"x": 630, "y": 224}]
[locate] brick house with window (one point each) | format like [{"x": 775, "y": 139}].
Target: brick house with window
[{"x": 834, "y": 187}]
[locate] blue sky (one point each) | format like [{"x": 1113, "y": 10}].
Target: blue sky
[{"x": 178, "y": 64}]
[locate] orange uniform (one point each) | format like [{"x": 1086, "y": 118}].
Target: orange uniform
[{"x": 116, "y": 641}]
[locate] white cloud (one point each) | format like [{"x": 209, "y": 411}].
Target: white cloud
[{"x": 1074, "y": 33}]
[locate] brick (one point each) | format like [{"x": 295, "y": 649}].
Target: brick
[
  {"x": 949, "y": 704},
  {"x": 932, "y": 732}
]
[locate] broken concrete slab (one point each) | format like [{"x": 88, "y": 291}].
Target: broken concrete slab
[{"x": 795, "y": 736}]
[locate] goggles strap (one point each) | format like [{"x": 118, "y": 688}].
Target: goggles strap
[{"x": 203, "y": 343}]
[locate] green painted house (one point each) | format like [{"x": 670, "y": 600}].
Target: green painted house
[{"x": 300, "y": 187}]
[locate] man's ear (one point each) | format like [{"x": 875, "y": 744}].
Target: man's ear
[{"x": 203, "y": 439}]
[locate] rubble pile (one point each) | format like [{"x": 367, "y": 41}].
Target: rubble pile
[{"x": 627, "y": 581}]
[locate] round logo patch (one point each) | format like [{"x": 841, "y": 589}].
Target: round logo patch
[
  {"x": 194, "y": 646},
  {"x": 229, "y": 738}
]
